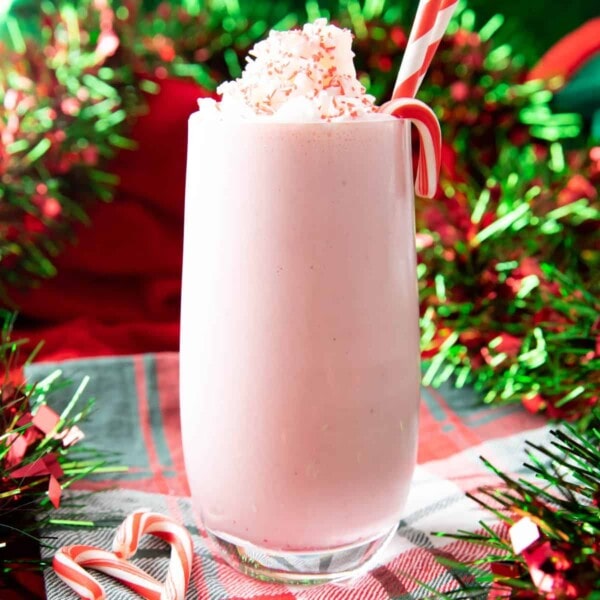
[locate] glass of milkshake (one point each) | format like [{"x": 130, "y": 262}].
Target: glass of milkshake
[{"x": 299, "y": 328}]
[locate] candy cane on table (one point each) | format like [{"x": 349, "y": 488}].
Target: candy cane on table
[
  {"x": 141, "y": 522},
  {"x": 430, "y": 138},
  {"x": 69, "y": 561},
  {"x": 428, "y": 30}
]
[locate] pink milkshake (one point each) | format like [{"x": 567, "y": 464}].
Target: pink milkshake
[{"x": 300, "y": 341}]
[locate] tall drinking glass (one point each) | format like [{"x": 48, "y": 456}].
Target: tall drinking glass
[{"x": 299, "y": 340}]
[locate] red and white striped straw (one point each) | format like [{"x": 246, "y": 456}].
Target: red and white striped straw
[
  {"x": 431, "y": 22},
  {"x": 447, "y": 8}
]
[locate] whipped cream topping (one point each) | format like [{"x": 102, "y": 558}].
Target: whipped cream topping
[{"x": 298, "y": 75}]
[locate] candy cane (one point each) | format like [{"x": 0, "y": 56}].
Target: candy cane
[
  {"x": 430, "y": 137},
  {"x": 139, "y": 523},
  {"x": 431, "y": 22},
  {"x": 69, "y": 561}
]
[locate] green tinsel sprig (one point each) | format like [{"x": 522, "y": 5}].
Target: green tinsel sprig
[
  {"x": 41, "y": 453},
  {"x": 557, "y": 557}
]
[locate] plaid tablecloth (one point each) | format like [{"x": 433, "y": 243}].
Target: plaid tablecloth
[{"x": 136, "y": 417}]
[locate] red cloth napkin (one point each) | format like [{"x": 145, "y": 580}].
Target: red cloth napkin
[
  {"x": 118, "y": 289},
  {"x": 454, "y": 431}
]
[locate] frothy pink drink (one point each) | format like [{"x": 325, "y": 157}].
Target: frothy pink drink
[{"x": 300, "y": 341}]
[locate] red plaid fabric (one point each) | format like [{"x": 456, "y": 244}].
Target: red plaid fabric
[{"x": 137, "y": 417}]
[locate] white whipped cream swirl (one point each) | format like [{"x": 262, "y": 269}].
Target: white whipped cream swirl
[{"x": 302, "y": 75}]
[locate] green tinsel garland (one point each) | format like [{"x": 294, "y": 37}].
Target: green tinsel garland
[
  {"x": 508, "y": 285},
  {"x": 508, "y": 250}
]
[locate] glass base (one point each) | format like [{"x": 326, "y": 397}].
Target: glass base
[{"x": 299, "y": 568}]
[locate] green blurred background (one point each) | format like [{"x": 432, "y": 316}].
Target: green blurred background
[
  {"x": 532, "y": 26},
  {"x": 539, "y": 23}
]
